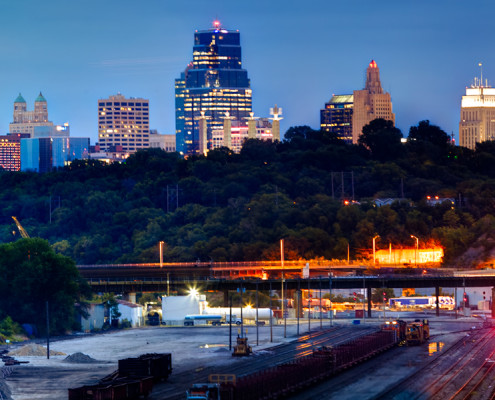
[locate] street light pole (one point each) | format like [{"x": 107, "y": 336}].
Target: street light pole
[
  {"x": 374, "y": 252},
  {"x": 161, "y": 254},
  {"x": 161, "y": 266},
  {"x": 417, "y": 249},
  {"x": 283, "y": 284}
]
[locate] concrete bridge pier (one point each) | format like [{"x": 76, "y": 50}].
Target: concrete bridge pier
[
  {"x": 131, "y": 296},
  {"x": 437, "y": 300},
  {"x": 368, "y": 297}
]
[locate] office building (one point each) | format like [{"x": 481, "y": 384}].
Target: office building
[
  {"x": 44, "y": 154},
  {"x": 10, "y": 151},
  {"x": 213, "y": 84},
  {"x": 234, "y": 134},
  {"x": 162, "y": 141},
  {"x": 370, "y": 103},
  {"x": 26, "y": 121},
  {"x": 336, "y": 117},
  {"x": 477, "y": 115},
  {"x": 123, "y": 122}
]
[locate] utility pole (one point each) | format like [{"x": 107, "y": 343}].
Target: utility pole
[{"x": 47, "y": 329}]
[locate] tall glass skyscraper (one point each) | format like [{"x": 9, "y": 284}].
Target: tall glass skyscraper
[{"x": 212, "y": 84}]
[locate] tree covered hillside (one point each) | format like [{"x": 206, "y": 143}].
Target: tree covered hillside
[{"x": 238, "y": 206}]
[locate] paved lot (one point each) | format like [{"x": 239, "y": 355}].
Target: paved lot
[{"x": 192, "y": 348}]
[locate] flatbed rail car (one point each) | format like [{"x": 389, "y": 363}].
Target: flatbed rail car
[
  {"x": 118, "y": 389},
  {"x": 284, "y": 379},
  {"x": 133, "y": 380}
]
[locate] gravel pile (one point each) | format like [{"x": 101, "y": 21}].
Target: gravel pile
[
  {"x": 33, "y": 350},
  {"x": 80, "y": 358}
]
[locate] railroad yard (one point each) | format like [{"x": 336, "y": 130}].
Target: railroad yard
[{"x": 457, "y": 350}]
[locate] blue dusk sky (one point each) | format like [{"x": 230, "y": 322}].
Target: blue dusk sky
[{"x": 297, "y": 54}]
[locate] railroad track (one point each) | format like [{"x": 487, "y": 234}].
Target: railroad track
[
  {"x": 456, "y": 373},
  {"x": 277, "y": 355}
]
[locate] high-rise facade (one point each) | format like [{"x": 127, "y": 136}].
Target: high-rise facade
[
  {"x": 44, "y": 154},
  {"x": 123, "y": 122},
  {"x": 26, "y": 121},
  {"x": 238, "y": 134},
  {"x": 336, "y": 117},
  {"x": 10, "y": 151},
  {"x": 477, "y": 115},
  {"x": 370, "y": 103},
  {"x": 213, "y": 84}
]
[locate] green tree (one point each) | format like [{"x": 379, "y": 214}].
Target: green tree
[
  {"x": 382, "y": 139},
  {"x": 111, "y": 305},
  {"x": 31, "y": 274},
  {"x": 377, "y": 295}
]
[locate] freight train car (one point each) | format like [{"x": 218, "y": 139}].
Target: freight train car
[
  {"x": 425, "y": 302},
  {"x": 277, "y": 382},
  {"x": 133, "y": 380}
]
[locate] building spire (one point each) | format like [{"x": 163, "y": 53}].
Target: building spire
[{"x": 373, "y": 84}]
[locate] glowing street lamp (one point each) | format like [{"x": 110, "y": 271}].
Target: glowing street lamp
[
  {"x": 161, "y": 253},
  {"x": 374, "y": 252},
  {"x": 417, "y": 249}
]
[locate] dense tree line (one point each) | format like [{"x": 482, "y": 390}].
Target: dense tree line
[
  {"x": 227, "y": 206},
  {"x": 34, "y": 279}
]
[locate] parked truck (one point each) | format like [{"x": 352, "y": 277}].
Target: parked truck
[
  {"x": 226, "y": 320},
  {"x": 202, "y": 319},
  {"x": 219, "y": 387}
]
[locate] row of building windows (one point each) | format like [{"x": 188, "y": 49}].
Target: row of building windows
[
  {"x": 110, "y": 113},
  {"x": 124, "y": 104}
]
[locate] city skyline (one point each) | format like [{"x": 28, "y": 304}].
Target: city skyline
[{"x": 297, "y": 56}]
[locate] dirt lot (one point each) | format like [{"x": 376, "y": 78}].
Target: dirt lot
[{"x": 192, "y": 348}]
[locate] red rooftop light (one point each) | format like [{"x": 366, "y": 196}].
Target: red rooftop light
[{"x": 373, "y": 64}]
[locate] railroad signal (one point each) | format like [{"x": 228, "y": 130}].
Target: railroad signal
[
  {"x": 384, "y": 296},
  {"x": 355, "y": 296}
]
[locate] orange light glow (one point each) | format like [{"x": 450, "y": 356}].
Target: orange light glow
[{"x": 410, "y": 256}]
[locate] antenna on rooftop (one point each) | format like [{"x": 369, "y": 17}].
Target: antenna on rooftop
[{"x": 481, "y": 73}]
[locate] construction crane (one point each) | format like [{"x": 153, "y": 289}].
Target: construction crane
[{"x": 22, "y": 231}]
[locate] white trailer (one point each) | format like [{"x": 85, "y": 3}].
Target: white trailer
[
  {"x": 175, "y": 308},
  {"x": 247, "y": 313}
]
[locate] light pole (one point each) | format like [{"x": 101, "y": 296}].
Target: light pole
[
  {"x": 417, "y": 249},
  {"x": 283, "y": 283},
  {"x": 161, "y": 253},
  {"x": 161, "y": 266},
  {"x": 374, "y": 258}
]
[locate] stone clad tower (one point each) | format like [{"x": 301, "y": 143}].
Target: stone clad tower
[
  {"x": 370, "y": 103},
  {"x": 26, "y": 121}
]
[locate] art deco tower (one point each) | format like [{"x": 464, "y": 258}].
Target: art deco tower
[
  {"x": 370, "y": 103},
  {"x": 26, "y": 121},
  {"x": 477, "y": 114},
  {"x": 213, "y": 84}
]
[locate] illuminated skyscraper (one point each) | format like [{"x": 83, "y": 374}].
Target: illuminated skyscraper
[
  {"x": 213, "y": 83},
  {"x": 370, "y": 103},
  {"x": 336, "y": 117},
  {"x": 123, "y": 122},
  {"x": 10, "y": 151},
  {"x": 477, "y": 114}
]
